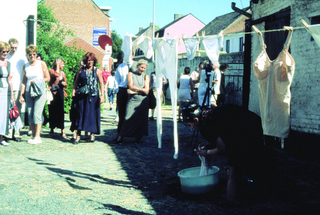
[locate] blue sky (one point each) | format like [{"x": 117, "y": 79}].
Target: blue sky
[{"x": 129, "y": 15}]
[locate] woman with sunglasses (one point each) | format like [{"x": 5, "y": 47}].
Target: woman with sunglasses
[
  {"x": 35, "y": 72},
  {"x": 5, "y": 85}
]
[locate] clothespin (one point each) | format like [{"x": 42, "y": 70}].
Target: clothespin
[
  {"x": 288, "y": 28},
  {"x": 305, "y": 24},
  {"x": 203, "y": 33},
  {"x": 157, "y": 35},
  {"x": 179, "y": 39},
  {"x": 256, "y": 30},
  {"x": 197, "y": 34},
  {"x": 220, "y": 34},
  {"x": 183, "y": 35}
]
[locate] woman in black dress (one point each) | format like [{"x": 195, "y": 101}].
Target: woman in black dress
[
  {"x": 87, "y": 103},
  {"x": 57, "y": 84}
]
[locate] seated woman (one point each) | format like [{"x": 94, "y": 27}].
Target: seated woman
[
  {"x": 136, "y": 119},
  {"x": 238, "y": 132}
]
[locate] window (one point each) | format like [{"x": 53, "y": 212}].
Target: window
[
  {"x": 241, "y": 44},
  {"x": 228, "y": 46}
]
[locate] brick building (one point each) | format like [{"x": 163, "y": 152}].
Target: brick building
[
  {"x": 305, "y": 88},
  {"x": 82, "y": 17}
]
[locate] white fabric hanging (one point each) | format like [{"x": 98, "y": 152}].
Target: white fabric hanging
[
  {"x": 212, "y": 46},
  {"x": 314, "y": 30},
  {"x": 145, "y": 44},
  {"x": 166, "y": 62},
  {"x": 127, "y": 48},
  {"x": 191, "y": 45}
]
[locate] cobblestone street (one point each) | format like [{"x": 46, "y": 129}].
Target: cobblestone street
[{"x": 57, "y": 177}]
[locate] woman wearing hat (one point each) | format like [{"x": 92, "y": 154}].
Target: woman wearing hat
[{"x": 136, "y": 119}]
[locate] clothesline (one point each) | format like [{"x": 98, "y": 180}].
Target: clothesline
[{"x": 265, "y": 31}]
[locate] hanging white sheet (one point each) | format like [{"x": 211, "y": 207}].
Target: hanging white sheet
[
  {"x": 314, "y": 30},
  {"x": 166, "y": 62}
]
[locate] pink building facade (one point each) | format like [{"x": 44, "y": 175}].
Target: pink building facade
[{"x": 187, "y": 25}]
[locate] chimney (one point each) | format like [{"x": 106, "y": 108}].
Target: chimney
[
  {"x": 140, "y": 29},
  {"x": 177, "y": 16}
]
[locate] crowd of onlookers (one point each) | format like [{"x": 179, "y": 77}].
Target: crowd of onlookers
[{"x": 27, "y": 85}]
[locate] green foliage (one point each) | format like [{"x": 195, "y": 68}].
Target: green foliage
[
  {"x": 50, "y": 37},
  {"x": 116, "y": 48}
]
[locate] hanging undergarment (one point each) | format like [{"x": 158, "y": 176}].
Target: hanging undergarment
[
  {"x": 127, "y": 49},
  {"x": 166, "y": 63},
  {"x": 145, "y": 44},
  {"x": 212, "y": 46},
  {"x": 275, "y": 79},
  {"x": 314, "y": 30},
  {"x": 191, "y": 45}
]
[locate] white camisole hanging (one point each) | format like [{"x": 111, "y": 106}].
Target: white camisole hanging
[{"x": 275, "y": 79}]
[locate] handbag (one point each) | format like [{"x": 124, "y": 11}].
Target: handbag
[
  {"x": 14, "y": 113},
  {"x": 82, "y": 90},
  {"x": 55, "y": 88}
]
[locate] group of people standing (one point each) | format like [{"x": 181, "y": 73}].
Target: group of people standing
[
  {"x": 204, "y": 87},
  {"x": 25, "y": 84}
]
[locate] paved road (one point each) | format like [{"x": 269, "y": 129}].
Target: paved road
[{"x": 57, "y": 177}]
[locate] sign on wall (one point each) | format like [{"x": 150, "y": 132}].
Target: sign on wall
[{"x": 97, "y": 32}]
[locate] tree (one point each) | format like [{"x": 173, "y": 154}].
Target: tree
[
  {"x": 116, "y": 48},
  {"x": 50, "y": 37}
]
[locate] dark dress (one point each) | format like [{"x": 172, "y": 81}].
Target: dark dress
[
  {"x": 86, "y": 109},
  {"x": 56, "y": 107},
  {"x": 136, "y": 119},
  {"x": 241, "y": 131}
]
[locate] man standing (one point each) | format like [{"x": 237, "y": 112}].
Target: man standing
[
  {"x": 17, "y": 63},
  {"x": 222, "y": 99},
  {"x": 216, "y": 85}
]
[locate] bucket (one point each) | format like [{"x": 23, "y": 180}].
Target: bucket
[{"x": 192, "y": 183}]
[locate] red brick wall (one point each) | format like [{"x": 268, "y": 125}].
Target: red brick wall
[{"x": 81, "y": 16}]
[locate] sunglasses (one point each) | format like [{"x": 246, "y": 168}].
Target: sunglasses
[
  {"x": 14, "y": 47},
  {"x": 3, "y": 52},
  {"x": 32, "y": 55}
]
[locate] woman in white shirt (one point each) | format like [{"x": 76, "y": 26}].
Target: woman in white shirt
[{"x": 35, "y": 72}]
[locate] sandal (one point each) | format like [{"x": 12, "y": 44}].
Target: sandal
[
  {"x": 63, "y": 134},
  {"x": 76, "y": 140},
  {"x": 92, "y": 138}
]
